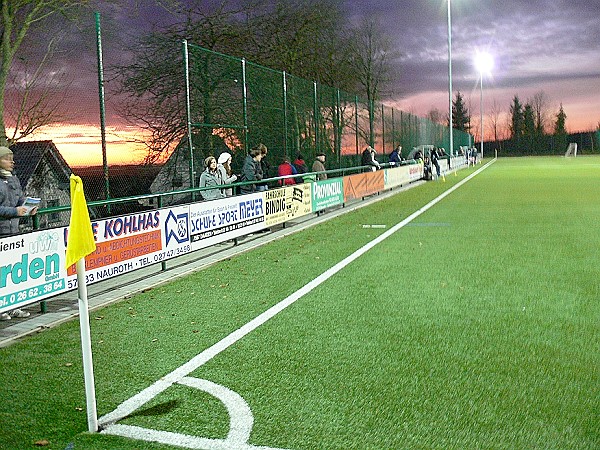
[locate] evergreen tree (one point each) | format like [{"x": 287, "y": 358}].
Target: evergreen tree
[
  {"x": 529, "y": 131},
  {"x": 516, "y": 122},
  {"x": 560, "y": 131},
  {"x": 461, "y": 120}
]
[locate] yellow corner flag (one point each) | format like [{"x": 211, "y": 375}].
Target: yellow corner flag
[{"x": 80, "y": 241}]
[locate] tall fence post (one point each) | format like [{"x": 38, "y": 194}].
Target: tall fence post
[
  {"x": 102, "y": 108},
  {"x": 337, "y": 131},
  {"x": 245, "y": 104},
  {"x": 356, "y": 120},
  {"x": 393, "y": 131},
  {"x": 285, "y": 116},
  {"x": 316, "y": 114},
  {"x": 382, "y": 129},
  {"x": 371, "y": 123},
  {"x": 188, "y": 109}
]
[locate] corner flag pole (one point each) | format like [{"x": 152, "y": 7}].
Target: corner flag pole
[{"x": 80, "y": 242}]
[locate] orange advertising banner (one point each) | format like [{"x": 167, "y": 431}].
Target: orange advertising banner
[
  {"x": 119, "y": 250},
  {"x": 362, "y": 184}
]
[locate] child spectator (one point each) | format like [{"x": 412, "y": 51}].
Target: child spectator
[{"x": 286, "y": 168}]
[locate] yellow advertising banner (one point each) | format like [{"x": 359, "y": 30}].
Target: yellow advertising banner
[{"x": 287, "y": 203}]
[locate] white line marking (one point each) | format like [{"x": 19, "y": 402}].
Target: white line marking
[
  {"x": 179, "y": 440},
  {"x": 135, "y": 402},
  {"x": 239, "y": 411},
  {"x": 240, "y": 427}
]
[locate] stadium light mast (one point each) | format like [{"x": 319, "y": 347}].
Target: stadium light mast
[
  {"x": 484, "y": 64},
  {"x": 450, "y": 79}
]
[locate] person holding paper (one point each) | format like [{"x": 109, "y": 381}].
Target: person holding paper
[{"x": 11, "y": 201}]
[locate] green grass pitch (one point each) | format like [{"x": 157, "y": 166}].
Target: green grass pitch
[{"x": 477, "y": 325}]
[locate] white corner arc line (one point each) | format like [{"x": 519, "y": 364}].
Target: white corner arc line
[
  {"x": 241, "y": 418},
  {"x": 178, "y": 439},
  {"x": 135, "y": 402}
]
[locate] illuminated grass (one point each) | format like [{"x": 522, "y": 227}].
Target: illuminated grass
[{"x": 476, "y": 326}]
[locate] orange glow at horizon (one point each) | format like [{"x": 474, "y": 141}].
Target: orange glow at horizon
[{"x": 81, "y": 145}]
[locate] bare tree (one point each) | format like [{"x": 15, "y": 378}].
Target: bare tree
[
  {"x": 307, "y": 39},
  {"x": 152, "y": 82},
  {"x": 541, "y": 111},
  {"x": 495, "y": 122},
  {"x": 18, "y": 16},
  {"x": 371, "y": 60},
  {"x": 436, "y": 116}
]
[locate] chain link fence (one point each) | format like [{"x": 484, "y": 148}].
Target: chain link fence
[{"x": 223, "y": 104}]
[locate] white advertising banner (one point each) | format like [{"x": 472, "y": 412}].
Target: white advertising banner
[
  {"x": 32, "y": 268},
  {"x": 220, "y": 220}
]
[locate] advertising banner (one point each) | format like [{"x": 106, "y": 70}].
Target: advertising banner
[
  {"x": 130, "y": 242},
  {"x": 32, "y": 268},
  {"x": 362, "y": 184},
  {"x": 220, "y": 220},
  {"x": 457, "y": 162},
  {"x": 415, "y": 172},
  {"x": 327, "y": 193},
  {"x": 397, "y": 176},
  {"x": 287, "y": 203},
  {"x": 298, "y": 200}
]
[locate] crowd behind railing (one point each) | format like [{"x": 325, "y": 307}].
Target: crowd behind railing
[{"x": 232, "y": 206}]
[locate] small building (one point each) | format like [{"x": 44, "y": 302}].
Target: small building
[{"x": 43, "y": 173}]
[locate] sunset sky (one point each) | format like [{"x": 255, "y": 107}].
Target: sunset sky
[{"x": 537, "y": 45}]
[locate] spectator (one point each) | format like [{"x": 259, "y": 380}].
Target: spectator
[
  {"x": 396, "y": 156},
  {"x": 209, "y": 178},
  {"x": 286, "y": 168},
  {"x": 473, "y": 156},
  {"x": 300, "y": 166},
  {"x": 11, "y": 209},
  {"x": 226, "y": 173},
  {"x": 251, "y": 170},
  {"x": 368, "y": 159},
  {"x": 319, "y": 166},
  {"x": 427, "y": 171},
  {"x": 264, "y": 168},
  {"x": 434, "y": 160}
]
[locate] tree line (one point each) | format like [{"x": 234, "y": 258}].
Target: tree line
[{"x": 532, "y": 127}]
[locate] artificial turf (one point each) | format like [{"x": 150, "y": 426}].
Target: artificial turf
[{"x": 474, "y": 326}]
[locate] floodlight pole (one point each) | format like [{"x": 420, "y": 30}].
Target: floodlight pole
[
  {"x": 450, "y": 80},
  {"x": 481, "y": 108}
]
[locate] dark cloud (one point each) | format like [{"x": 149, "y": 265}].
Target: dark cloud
[
  {"x": 549, "y": 44},
  {"x": 536, "y": 44}
]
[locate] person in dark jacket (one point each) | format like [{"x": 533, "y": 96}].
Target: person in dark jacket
[
  {"x": 251, "y": 170},
  {"x": 396, "y": 156},
  {"x": 435, "y": 160},
  {"x": 301, "y": 167},
  {"x": 11, "y": 208},
  {"x": 11, "y": 195},
  {"x": 265, "y": 168},
  {"x": 368, "y": 159}
]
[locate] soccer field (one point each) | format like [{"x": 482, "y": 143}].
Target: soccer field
[{"x": 473, "y": 325}]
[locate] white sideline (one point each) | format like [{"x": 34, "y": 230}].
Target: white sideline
[{"x": 129, "y": 406}]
